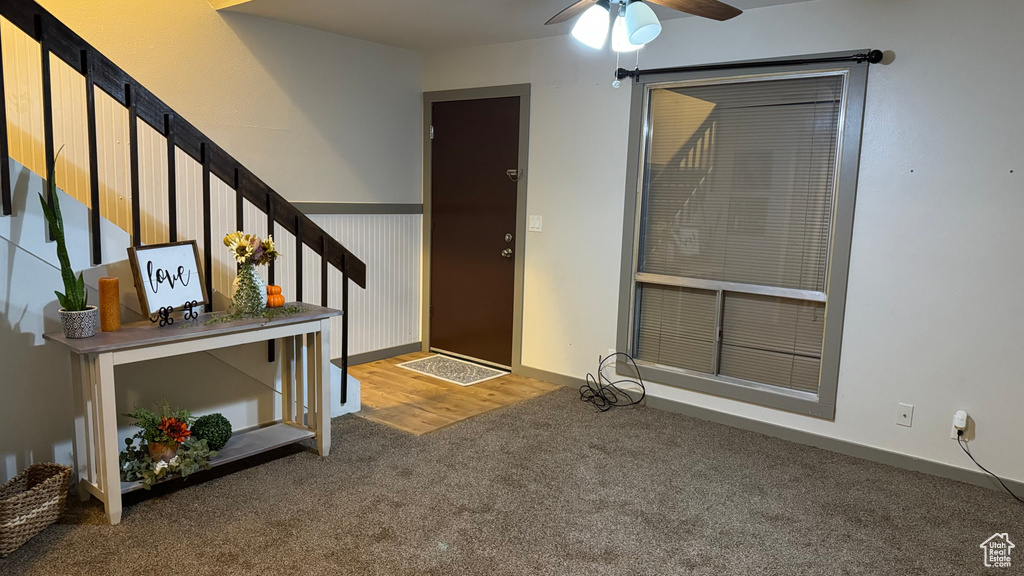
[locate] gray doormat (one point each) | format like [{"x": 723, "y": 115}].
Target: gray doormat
[{"x": 452, "y": 370}]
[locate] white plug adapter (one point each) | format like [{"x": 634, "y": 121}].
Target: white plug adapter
[{"x": 960, "y": 420}]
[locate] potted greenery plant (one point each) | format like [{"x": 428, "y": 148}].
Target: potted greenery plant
[
  {"x": 168, "y": 446},
  {"x": 78, "y": 319},
  {"x": 163, "y": 433}
]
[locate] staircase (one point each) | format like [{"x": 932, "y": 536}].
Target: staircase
[
  {"x": 134, "y": 172},
  {"x": 178, "y": 184}
]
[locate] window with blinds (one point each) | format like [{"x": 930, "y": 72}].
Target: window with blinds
[{"x": 736, "y": 214}]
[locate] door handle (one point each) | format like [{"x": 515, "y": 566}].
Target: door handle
[{"x": 506, "y": 253}]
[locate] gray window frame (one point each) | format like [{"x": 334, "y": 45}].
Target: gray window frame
[{"x": 822, "y": 403}]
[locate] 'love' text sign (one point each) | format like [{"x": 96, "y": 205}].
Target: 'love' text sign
[{"x": 167, "y": 275}]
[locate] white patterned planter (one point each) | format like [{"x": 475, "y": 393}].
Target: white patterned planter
[{"x": 80, "y": 324}]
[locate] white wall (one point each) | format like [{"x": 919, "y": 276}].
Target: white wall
[
  {"x": 934, "y": 316},
  {"x": 317, "y": 116}
]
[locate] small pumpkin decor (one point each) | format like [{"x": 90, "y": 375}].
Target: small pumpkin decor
[{"x": 274, "y": 297}]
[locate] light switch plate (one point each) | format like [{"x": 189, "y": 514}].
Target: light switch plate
[
  {"x": 905, "y": 415},
  {"x": 536, "y": 223}
]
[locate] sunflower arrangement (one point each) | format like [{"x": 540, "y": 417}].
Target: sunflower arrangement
[{"x": 250, "y": 248}]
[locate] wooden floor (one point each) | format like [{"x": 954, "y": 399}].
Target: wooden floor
[{"x": 418, "y": 404}]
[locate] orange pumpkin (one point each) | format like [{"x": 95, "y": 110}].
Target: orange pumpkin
[{"x": 274, "y": 297}]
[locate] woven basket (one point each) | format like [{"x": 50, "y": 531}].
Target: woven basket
[{"x": 30, "y": 502}]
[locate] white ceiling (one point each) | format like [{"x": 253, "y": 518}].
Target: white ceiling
[{"x": 431, "y": 25}]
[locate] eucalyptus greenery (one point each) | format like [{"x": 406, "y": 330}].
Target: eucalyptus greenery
[
  {"x": 75, "y": 297},
  {"x": 268, "y": 314},
  {"x": 136, "y": 465}
]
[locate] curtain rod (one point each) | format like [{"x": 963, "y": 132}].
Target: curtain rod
[{"x": 871, "y": 57}]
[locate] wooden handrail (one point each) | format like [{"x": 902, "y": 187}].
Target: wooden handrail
[{"x": 100, "y": 72}]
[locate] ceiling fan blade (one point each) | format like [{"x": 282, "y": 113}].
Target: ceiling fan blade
[
  {"x": 705, "y": 8},
  {"x": 575, "y": 9}
]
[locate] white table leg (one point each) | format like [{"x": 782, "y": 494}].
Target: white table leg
[
  {"x": 323, "y": 366},
  {"x": 313, "y": 396},
  {"x": 299, "y": 392},
  {"x": 79, "y": 382},
  {"x": 287, "y": 378},
  {"x": 108, "y": 451}
]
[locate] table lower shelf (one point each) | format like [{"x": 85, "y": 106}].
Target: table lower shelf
[{"x": 245, "y": 444}]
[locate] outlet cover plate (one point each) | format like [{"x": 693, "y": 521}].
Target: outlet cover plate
[{"x": 905, "y": 415}]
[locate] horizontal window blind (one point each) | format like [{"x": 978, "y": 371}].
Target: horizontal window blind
[
  {"x": 739, "y": 189},
  {"x": 740, "y": 181},
  {"x": 677, "y": 327},
  {"x": 772, "y": 340}
]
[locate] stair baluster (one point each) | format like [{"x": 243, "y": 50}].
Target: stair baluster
[{"x": 57, "y": 40}]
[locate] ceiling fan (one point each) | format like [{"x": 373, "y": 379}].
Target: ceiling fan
[{"x": 635, "y": 24}]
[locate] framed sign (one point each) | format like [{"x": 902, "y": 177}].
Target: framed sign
[{"x": 167, "y": 275}]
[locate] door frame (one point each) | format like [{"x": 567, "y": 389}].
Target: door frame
[{"x": 429, "y": 98}]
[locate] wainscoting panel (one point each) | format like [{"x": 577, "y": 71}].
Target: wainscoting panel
[{"x": 387, "y": 313}]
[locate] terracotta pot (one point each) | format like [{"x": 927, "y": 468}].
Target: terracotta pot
[{"x": 165, "y": 451}]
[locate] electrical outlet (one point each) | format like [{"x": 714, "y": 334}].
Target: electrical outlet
[
  {"x": 905, "y": 415},
  {"x": 608, "y": 360}
]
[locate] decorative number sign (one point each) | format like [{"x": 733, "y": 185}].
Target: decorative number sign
[{"x": 168, "y": 276}]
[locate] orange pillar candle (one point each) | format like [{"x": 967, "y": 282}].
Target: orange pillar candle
[{"x": 110, "y": 305}]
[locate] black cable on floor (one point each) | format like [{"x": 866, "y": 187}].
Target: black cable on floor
[
  {"x": 962, "y": 443},
  {"x": 604, "y": 393}
]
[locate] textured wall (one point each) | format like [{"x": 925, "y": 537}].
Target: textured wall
[{"x": 317, "y": 116}]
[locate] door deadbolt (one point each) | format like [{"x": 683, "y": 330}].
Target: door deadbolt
[
  {"x": 508, "y": 237},
  {"x": 506, "y": 253}
]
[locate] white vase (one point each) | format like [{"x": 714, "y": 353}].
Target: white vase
[{"x": 249, "y": 292}]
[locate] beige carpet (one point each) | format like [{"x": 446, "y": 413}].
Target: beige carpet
[{"x": 545, "y": 487}]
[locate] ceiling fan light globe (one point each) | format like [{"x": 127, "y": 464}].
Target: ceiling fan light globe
[
  {"x": 642, "y": 23},
  {"x": 620, "y": 39},
  {"x": 592, "y": 27}
]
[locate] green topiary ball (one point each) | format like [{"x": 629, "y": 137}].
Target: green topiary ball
[{"x": 214, "y": 428}]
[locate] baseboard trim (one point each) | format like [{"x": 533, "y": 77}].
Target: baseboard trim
[
  {"x": 374, "y": 355},
  {"x": 848, "y": 448},
  {"x": 550, "y": 377}
]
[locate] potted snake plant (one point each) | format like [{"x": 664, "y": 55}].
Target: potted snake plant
[{"x": 78, "y": 319}]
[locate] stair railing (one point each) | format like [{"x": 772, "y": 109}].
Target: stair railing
[{"x": 101, "y": 73}]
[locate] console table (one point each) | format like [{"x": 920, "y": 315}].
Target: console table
[{"x": 305, "y": 342}]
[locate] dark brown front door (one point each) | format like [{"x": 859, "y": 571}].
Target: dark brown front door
[{"x": 473, "y": 213}]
